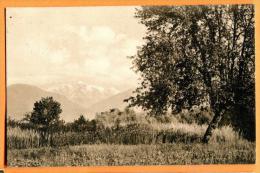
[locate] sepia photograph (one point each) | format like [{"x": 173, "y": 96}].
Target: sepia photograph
[{"x": 130, "y": 85}]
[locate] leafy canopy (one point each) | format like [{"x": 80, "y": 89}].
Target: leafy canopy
[
  {"x": 46, "y": 114},
  {"x": 194, "y": 55}
]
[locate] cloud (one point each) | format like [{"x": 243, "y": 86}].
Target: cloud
[
  {"x": 47, "y": 49},
  {"x": 97, "y": 50}
]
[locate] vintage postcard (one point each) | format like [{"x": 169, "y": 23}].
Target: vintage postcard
[
  {"x": 133, "y": 86},
  {"x": 130, "y": 85}
]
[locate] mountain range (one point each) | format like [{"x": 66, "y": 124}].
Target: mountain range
[
  {"x": 81, "y": 93},
  {"x": 21, "y": 97}
]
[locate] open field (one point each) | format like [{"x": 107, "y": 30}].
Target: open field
[
  {"x": 164, "y": 154},
  {"x": 133, "y": 134},
  {"x": 135, "y": 144}
]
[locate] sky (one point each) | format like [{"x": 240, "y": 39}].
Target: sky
[{"x": 46, "y": 46}]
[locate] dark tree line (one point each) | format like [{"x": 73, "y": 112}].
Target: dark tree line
[
  {"x": 195, "y": 55},
  {"x": 45, "y": 120}
]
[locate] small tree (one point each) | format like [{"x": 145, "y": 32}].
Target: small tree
[
  {"x": 45, "y": 118},
  {"x": 80, "y": 125}
]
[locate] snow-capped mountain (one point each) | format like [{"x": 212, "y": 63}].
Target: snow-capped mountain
[
  {"x": 82, "y": 93},
  {"x": 21, "y": 97}
]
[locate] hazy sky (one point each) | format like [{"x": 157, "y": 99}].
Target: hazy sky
[{"x": 89, "y": 44}]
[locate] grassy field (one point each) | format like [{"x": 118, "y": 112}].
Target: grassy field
[
  {"x": 164, "y": 154},
  {"x": 173, "y": 143},
  {"x": 130, "y": 135}
]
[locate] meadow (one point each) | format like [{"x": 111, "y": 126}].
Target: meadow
[
  {"x": 129, "y": 139},
  {"x": 163, "y": 154},
  {"x": 134, "y": 144}
]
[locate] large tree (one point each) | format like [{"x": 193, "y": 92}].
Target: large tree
[{"x": 195, "y": 55}]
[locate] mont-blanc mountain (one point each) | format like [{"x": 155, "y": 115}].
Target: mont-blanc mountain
[
  {"x": 21, "y": 98},
  {"x": 82, "y": 93}
]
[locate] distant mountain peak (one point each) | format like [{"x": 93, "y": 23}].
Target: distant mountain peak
[
  {"x": 21, "y": 97},
  {"x": 82, "y": 93}
]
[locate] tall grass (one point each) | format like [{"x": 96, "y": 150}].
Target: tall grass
[
  {"x": 22, "y": 138},
  {"x": 222, "y": 134},
  {"x": 132, "y": 134}
]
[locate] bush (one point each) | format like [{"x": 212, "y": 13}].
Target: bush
[{"x": 198, "y": 116}]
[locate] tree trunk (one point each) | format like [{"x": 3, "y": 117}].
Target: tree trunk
[
  {"x": 212, "y": 125},
  {"x": 51, "y": 139},
  {"x": 42, "y": 139}
]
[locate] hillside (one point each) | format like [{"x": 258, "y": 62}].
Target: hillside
[
  {"x": 21, "y": 97},
  {"x": 115, "y": 101}
]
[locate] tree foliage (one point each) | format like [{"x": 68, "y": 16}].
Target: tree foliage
[
  {"x": 195, "y": 55},
  {"x": 80, "y": 124},
  {"x": 45, "y": 118}
]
